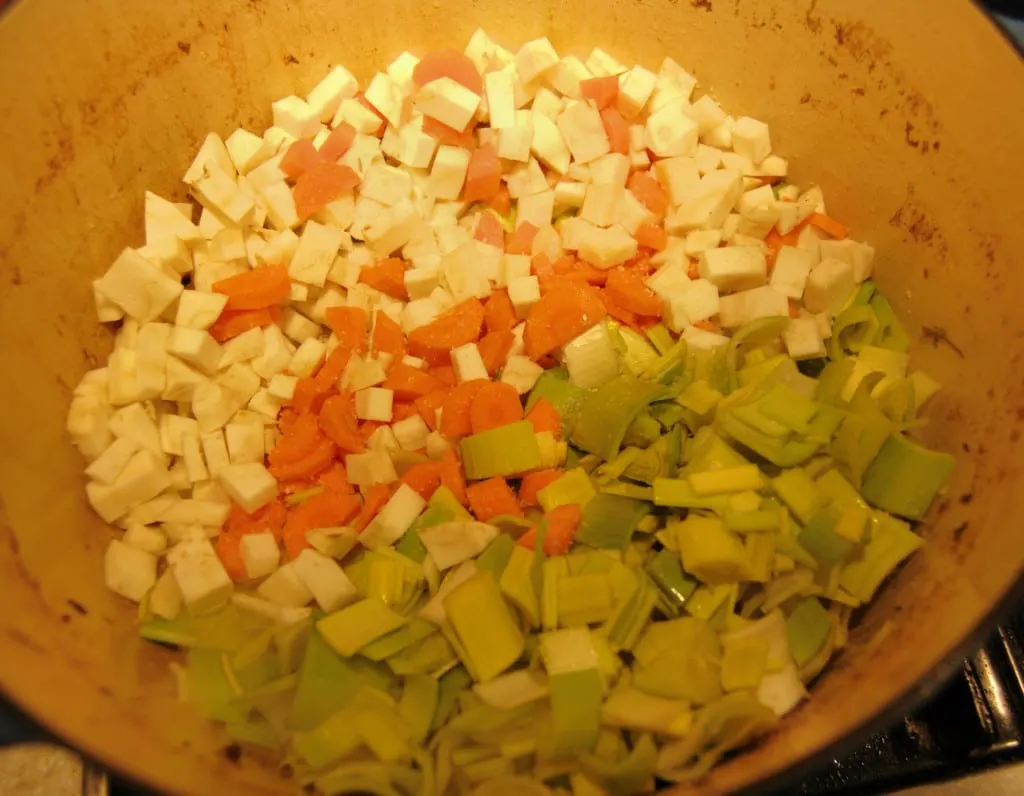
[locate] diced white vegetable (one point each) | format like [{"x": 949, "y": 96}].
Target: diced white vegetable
[
  {"x": 391, "y": 523},
  {"x": 411, "y": 433},
  {"x": 215, "y": 451},
  {"x": 197, "y": 310},
  {"x": 129, "y": 571},
  {"x": 285, "y": 588},
  {"x": 601, "y": 205},
  {"x": 606, "y": 248},
  {"x": 669, "y": 281},
  {"x": 434, "y": 610},
  {"x": 803, "y": 339},
  {"x": 145, "y": 537},
  {"x": 750, "y": 139},
  {"x": 307, "y": 358},
  {"x": 671, "y": 132},
  {"x": 522, "y": 373},
  {"x": 601, "y": 64},
  {"x": 373, "y": 467},
  {"x": 382, "y": 439},
  {"x": 860, "y": 256},
  {"x": 707, "y": 205},
  {"x": 212, "y": 405},
  {"x": 635, "y": 89},
  {"x": 143, "y": 478},
  {"x": 467, "y": 363},
  {"x": 516, "y": 141},
  {"x": 294, "y": 115},
  {"x": 535, "y": 58},
  {"x": 138, "y": 286},
  {"x": 451, "y": 543},
  {"x": 419, "y": 313},
  {"x": 375, "y": 403},
  {"x": 591, "y": 358},
  {"x": 829, "y": 286},
  {"x": 172, "y": 429},
  {"x": 317, "y": 248},
  {"x": 782, "y": 690},
  {"x": 245, "y": 442},
  {"x": 250, "y": 485},
  {"x": 583, "y": 132},
  {"x": 549, "y": 145},
  {"x": 734, "y": 267},
  {"x": 513, "y": 690},
  {"x": 111, "y": 463},
  {"x": 165, "y": 597},
  {"x": 393, "y": 227},
  {"x": 536, "y": 209},
  {"x": 524, "y": 292},
  {"x": 748, "y": 305},
  {"x": 201, "y": 578},
  {"x": 327, "y": 582},
  {"x": 196, "y": 347},
  {"x": 701, "y": 339},
  {"x": 327, "y": 95},
  {"x": 695, "y": 302},
  {"x": 500, "y": 91},
  {"x": 449, "y": 102},
  {"x": 277, "y": 353},
  {"x": 240, "y": 381},
  {"x": 792, "y": 267},
  {"x": 192, "y": 455}
]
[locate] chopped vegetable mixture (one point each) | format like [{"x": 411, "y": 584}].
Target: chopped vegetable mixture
[{"x": 507, "y": 424}]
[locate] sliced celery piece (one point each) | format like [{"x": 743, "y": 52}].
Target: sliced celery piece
[
  {"x": 891, "y": 542},
  {"x": 355, "y": 626},
  {"x": 707, "y": 601},
  {"x": 443, "y": 499},
  {"x": 858, "y": 441},
  {"x": 632, "y": 774},
  {"x": 677, "y": 493},
  {"x": 418, "y": 704},
  {"x": 552, "y": 569},
  {"x": 782, "y": 452},
  {"x": 382, "y": 731},
  {"x": 785, "y": 405},
  {"x": 584, "y": 599},
  {"x": 517, "y": 585},
  {"x": 629, "y": 620},
  {"x": 666, "y": 571},
  {"x": 708, "y": 451},
  {"x": 397, "y": 640},
  {"x": 608, "y": 521},
  {"x": 211, "y": 686},
  {"x": 760, "y": 549},
  {"x": 819, "y": 536},
  {"x": 495, "y": 557},
  {"x": 838, "y": 490},
  {"x": 431, "y": 654},
  {"x": 905, "y": 477},
  {"x": 643, "y": 431},
  {"x": 744, "y": 661},
  {"x": 807, "y": 629},
  {"x": 627, "y": 490},
  {"x": 450, "y": 686},
  {"x": 506, "y": 450},
  {"x": 701, "y": 399},
  {"x": 660, "y": 338},
  {"x": 752, "y": 522},
  {"x": 334, "y": 738},
  {"x": 483, "y": 625},
  {"x": 573, "y": 487},
  {"x": 716, "y": 482},
  {"x": 833, "y": 379},
  {"x": 800, "y": 494},
  {"x": 575, "y": 711},
  {"x": 633, "y": 709},
  {"x": 513, "y": 690},
  {"x": 710, "y": 552},
  {"x": 411, "y": 546},
  {"x": 686, "y": 664},
  {"x": 637, "y": 353},
  {"x": 606, "y": 413},
  {"x": 668, "y": 413},
  {"x": 226, "y": 629}
]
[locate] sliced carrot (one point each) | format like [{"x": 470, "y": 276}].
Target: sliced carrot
[
  {"x": 410, "y": 383},
  {"x": 561, "y": 315},
  {"x": 324, "y": 510},
  {"x": 499, "y": 314},
  {"x": 488, "y": 230},
  {"x": 492, "y": 498},
  {"x": 300, "y": 157},
  {"x": 456, "y": 420},
  {"x": 255, "y": 289},
  {"x": 367, "y": 429},
  {"x": 452, "y": 475},
  {"x": 349, "y": 324},
  {"x": 533, "y": 482},
  {"x": 298, "y": 439},
  {"x": 561, "y": 282},
  {"x": 448, "y": 63},
  {"x": 338, "y": 421},
  {"x": 454, "y": 327},
  {"x": 483, "y": 178},
  {"x": 828, "y": 225},
  {"x": 707, "y": 326},
  {"x": 402, "y": 410},
  {"x": 627, "y": 288},
  {"x": 338, "y": 142},
  {"x": 775, "y": 240},
  {"x": 423, "y": 478},
  {"x": 563, "y": 522},
  {"x": 335, "y": 478},
  {"x": 617, "y": 130},
  {"x": 501, "y": 202},
  {"x": 494, "y": 349},
  {"x": 495, "y": 404},
  {"x": 566, "y": 264},
  {"x": 604, "y": 91},
  {"x": 652, "y": 236},
  {"x": 330, "y": 372},
  {"x": 541, "y": 266},
  {"x": 794, "y": 309},
  {"x": 592, "y": 275},
  {"x": 521, "y": 241},
  {"x": 648, "y": 192},
  {"x": 232, "y": 323},
  {"x": 427, "y": 405},
  {"x": 619, "y": 313},
  {"x": 321, "y": 184},
  {"x": 544, "y": 417},
  {"x": 378, "y": 495},
  {"x": 693, "y": 270},
  {"x": 361, "y": 99},
  {"x": 449, "y": 136},
  {"x": 268, "y": 519},
  {"x": 387, "y": 276},
  {"x": 308, "y": 467},
  {"x": 308, "y": 396},
  {"x": 387, "y": 336},
  {"x": 444, "y": 374},
  {"x": 229, "y": 550}
]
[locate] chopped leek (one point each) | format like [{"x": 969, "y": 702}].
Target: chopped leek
[
  {"x": 890, "y": 334},
  {"x": 717, "y": 482},
  {"x": 397, "y": 640},
  {"x": 573, "y": 487},
  {"x": 431, "y": 654},
  {"x": 743, "y": 662},
  {"x": 513, "y": 690},
  {"x": 710, "y": 552},
  {"x": 660, "y": 338},
  {"x": 495, "y": 556},
  {"x": 353, "y": 627},
  {"x": 418, "y": 704},
  {"x": 666, "y": 571},
  {"x": 890, "y": 543},
  {"x": 506, "y": 450},
  {"x": 451, "y": 543},
  {"x": 608, "y": 521},
  {"x": 591, "y": 358},
  {"x": 676, "y": 493},
  {"x": 517, "y": 585},
  {"x": 555, "y": 388},
  {"x": 905, "y": 477},
  {"x": 584, "y": 599},
  {"x": 606, "y": 413},
  {"x": 853, "y": 329},
  {"x": 483, "y": 625},
  {"x": 807, "y": 628},
  {"x": 575, "y": 711}
]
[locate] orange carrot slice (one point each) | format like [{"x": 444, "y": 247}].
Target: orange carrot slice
[
  {"x": 256, "y": 289},
  {"x": 488, "y": 230},
  {"x": 828, "y": 225},
  {"x": 325, "y": 510},
  {"x": 521, "y": 241},
  {"x": 338, "y": 421},
  {"x": 387, "y": 336},
  {"x": 423, "y": 478},
  {"x": 483, "y": 178},
  {"x": 544, "y": 417},
  {"x": 495, "y": 404},
  {"x": 335, "y": 479},
  {"x": 232, "y": 323},
  {"x": 648, "y": 192},
  {"x": 563, "y": 522},
  {"x": 410, "y": 383},
  {"x": 308, "y": 467},
  {"x": 456, "y": 420},
  {"x": 229, "y": 550},
  {"x": 321, "y": 184},
  {"x": 627, "y": 288},
  {"x": 268, "y": 519},
  {"x": 444, "y": 374},
  {"x": 499, "y": 314},
  {"x": 619, "y": 313},
  {"x": 492, "y": 498},
  {"x": 604, "y": 91},
  {"x": 378, "y": 495},
  {"x": 452, "y": 475},
  {"x": 330, "y": 372},
  {"x": 652, "y": 236},
  {"x": 592, "y": 275},
  {"x": 494, "y": 349},
  {"x": 387, "y": 276},
  {"x": 427, "y": 405},
  {"x": 501, "y": 202},
  {"x": 349, "y": 324},
  {"x": 617, "y": 130},
  {"x": 561, "y": 315},
  {"x": 338, "y": 142},
  {"x": 300, "y": 157},
  {"x": 402, "y": 410},
  {"x": 451, "y": 64},
  {"x": 457, "y": 326},
  {"x": 533, "y": 482}
]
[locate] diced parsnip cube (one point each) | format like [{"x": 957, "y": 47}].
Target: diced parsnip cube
[
  {"x": 279, "y": 202},
  {"x": 467, "y": 363},
  {"x": 215, "y": 450},
  {"x": 583, "y": 131},
  {"x": 143, "y": 478},
  {"x": 499, "y": 88},
  {"x": 734, "y": 267},
  {"x": 750, "y": 138},
  {"x": 373, "y": 467},
  {"x": 284, "y": 588},
  {"x": 803, "y": 339},
  {"x": 631, "y": 213},
  {"x": 391, "y": 523},
  {"x": 250, "y": 485},
  {"x": 860, "y": 256},
  {"x": 307, "y": 358},
  {"x": 829, "y": 286},
  {"x": 277, "y": 353},
  {"x": 566, "y": 75},
  {"x": 526, "y": 180},
  {"x": 192, "y": 455},
  {"x": 393, "y": 228},
  {"x": 522, "y": 373},
  {"x": 708, "y": 204},
  {"x": 260, "y": 554},
  {"x": 386, "y": 184},
  {"x": 419, "y": 313},
  {"x": 138, "y": 286},
  {"x": 606, "y": 248},
  {"x": 196, "y": 347},
  {"x": 137, "y": 424},
  {"x": 245, "y": 442},
  {"x": 548, "y": 144},
  {"x": 536, "y": 209},
  {"x": 172, "y": 429},
  {"x": 375, "y": 403},
  {"x": 448, "y": 102},
  {"x": 146, "y": 538},
  {"x": 382, "y": 439},
  {"x": 601, "y": 64},
  {"x": 419, "y": 282},
  {"x": 695, "y": 302},
  {"x": 202, "y": 579},
  {"x": 516, "y": 141},
  {"x": 387, "y": 98},
  {"x": 213, "y": 405},
  {"x": 601, "y": 205},
  {"x": 282, "y": 387},
  {"x": 535, "y": 58},
  {"x": 213, "y": 154},
  {"x": 197, "y": 310},
  {"x": 164, "y": 220},
  {"x": 327, "y": 582},
  {"x": 792, "y": 267},
  {"x": 610, "y": 169},
  {"x": 635, "y": 89},
  {"x": 318, "y": 246},
  {"x": 129, "y": 571},
  {"x": 411, "y": 433},
  {"x": 679, "y": 176},
  {"x": 294, "y": 115},
  {"x": 111, "y": 463},
  {"x": 671, "y": 132},
  {"x": 512, "y": 267},
  {"x": 326, "y": 96},
  {"x": 749, "y": 305},
  {"x": 524, "y": 292}
]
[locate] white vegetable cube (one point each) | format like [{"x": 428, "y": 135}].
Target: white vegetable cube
[
  {"x": 632, "y": 213},
  {"x": 307, "y": 358},
  {"x": 536, "y": 209},
  {"x": 250, "y": 485},
  {"x": 792, "y": 267},
  {"x": 386, "y": 184},
  {"x": 591, "y": 358},
  {"x": 393, "y": 228},
  {"x": 707, "y": 205},
  {"x": 279, "y": 202},
  {"x": 282, "y": 387},
  {"x": 419, "y": 313},
  {"x": 375, "y": 403},
  {"x": 750, "y": 138},
  {"x": 215, "y": 450},
  {"x": 327, "y": 95},
  {"x": 212, "y": 154},
  {"x": 829, "y": 286},
  {"x": 548, "y": 144},
  {"x": 860, "y": 256},
  {"x": 535, "y": 58},
  {"x": 192, "y": 455},
  {"x": 295, "y": 116},
  {"x": 419, "y": 282},
  {"x": 566, "y": 75},
  {"x": 146, "y": 538},
  {"x": 198, "y": 310},
  {"x": 201, "y": 578},
  {"x": 138, "y": 286},
  {"x": 703, "y": 340},
  {"x": 569, "y": 194},
  {"x": 260, "y": 554},
  {"x": 285, "y": 588},
  {"x": 163, "y": 219},
  {"x": 583, "y": 131},
  {"x": 635, "y": 88},
  {"x": 734, "y": 267},
  {"x": 111, "y": 463},
  {"x": 298, "y": 327},
  {"x": 212, "y": 405},
  {"x": 524, "y": 292},
  {"x": 411, "y": 433},
  {"x": 526, "y": 180},
  {"x": 143, "y": 478},
  {"x": 196, "y": 347},
  {"x": 679, "y": 176},
  {"x": 359, "y": 374},
  {"x": 697, "y": 301},
  {"x": 387, "y": 97},
  {"x": 401, "y": 70},
  {"x": 394, "y": 519},
  {"x": 129, "y": 571},
  {"x": 241, "y": 381},
  {"x": 327, "y": 582},
  {"x": 245, "y": 442},
  {"x": 803, "y": 339},
  {"x": 749, "y": 305},
  {"x": 669, "y": 280},
  {"x": 601, "y": 64},
  {"x": 671, "y": 132},
  {"x": 277, "y": 353},
  {"x": 708, "y": 113},
  {"x": 601, "y": 205},
  {"x": 448, "y": 102},
  {"x": 606, "y": 248},
  {"x": 547, "y": 103},
  {"x": 499, "y": 88},
  {"x": 612, "y": 169},
  {"x": 467, "y": 363},
  {"x": 315, "y": 253},
  {"x": 522, "y": 373}
]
